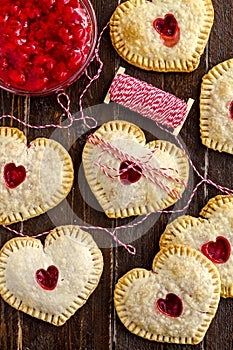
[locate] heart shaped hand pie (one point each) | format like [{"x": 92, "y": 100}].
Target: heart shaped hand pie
[
  {"x": 53, "y": 281},
  {"x": 216, "y": 107},
  {"x": 130, "y": 177},
  {"x": 34, "y": 177},
  {"x": 175, "y": 302},
  {"x": 162, "y": 35},
  {"x": 213, "y": 236}
]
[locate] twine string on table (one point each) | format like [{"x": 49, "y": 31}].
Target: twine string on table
[
  {"x": 166, "y": 110},
  {"x": 65, "y": 108},
  {"x": 147, "y": 171},
  {"x": 130, "y": 248}
]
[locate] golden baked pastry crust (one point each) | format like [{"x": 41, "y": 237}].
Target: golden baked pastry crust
[
  {"x": 136, "y": 41},
  {"x": 49, "y": 175},
  {"x": 216, "y": 221},
  {"x": 75, "y": 255},
  {"x": 178, "y": 270},
  {"x": 216, "y": 124},
  {"x": 143, "y": 196}
]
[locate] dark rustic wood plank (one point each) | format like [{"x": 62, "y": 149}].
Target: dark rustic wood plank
[{"x": 96, "y": 326}]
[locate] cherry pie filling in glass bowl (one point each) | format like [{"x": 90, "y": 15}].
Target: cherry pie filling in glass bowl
[{"x": 45, "y": 45}]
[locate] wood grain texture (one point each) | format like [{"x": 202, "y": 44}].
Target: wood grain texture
[{"x": 96, "y": 326}]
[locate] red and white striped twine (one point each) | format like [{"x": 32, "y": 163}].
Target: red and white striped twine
[
  {"x": 147, "y": 100},
  {"x": 148, "y": 171},
  {"x": 131, "y": 249},
  {"x": 163, "y": 108}
]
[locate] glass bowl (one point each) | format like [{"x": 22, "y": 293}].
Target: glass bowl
[{"x": 45, "y": 45}]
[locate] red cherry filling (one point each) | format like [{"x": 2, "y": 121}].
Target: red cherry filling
[
  {"x": 47, "y": 279},
  {"x": 219, "y": 251},
  {"x": 14, "y": 175},
  {"x": 168, "y": 29},
  {"x": 43, "y": 42},
  {"x": 129, "y": 172},
  {"x": 170, "y": 306},
  {"x": 231, "y": 109}
]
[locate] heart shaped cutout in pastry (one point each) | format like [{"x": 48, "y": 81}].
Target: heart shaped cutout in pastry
[
  {"x": 168, "y": 29},
  {"x": 216, "y": 107},
  {"x": 175, "y": 302},
  {"x": 211, "y": 234},
  {"x": 129, "y": 172},
  {"x": 171, "y": 306},
  {"x": 129, "y": 177},
  {"x": 218, "y": 251},
  {"x": 162, "y": 35},
  {"x": 34, "y": 178},
  {"x": 53, "y": 281},
  {"x": 47, "y": 279},
  {"x": 14, "y": 175}
]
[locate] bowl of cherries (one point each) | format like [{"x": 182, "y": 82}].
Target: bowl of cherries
[{"x": 45, "y": 45}]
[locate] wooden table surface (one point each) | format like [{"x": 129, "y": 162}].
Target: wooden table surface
[{"x": 96, "y": 326}]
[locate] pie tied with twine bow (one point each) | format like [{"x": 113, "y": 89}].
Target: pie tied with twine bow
[
  {"x": 216, "y": 107},
  {"x": 211, "y": 234},
  {"x": 129, "y": 177},
  {"x": 53, "y": 281},
  {"x": 162, "y": 35},
  {"x": 35, "y": 177},
  {"x": 175, "y": 302}
]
